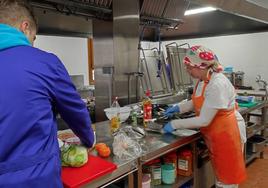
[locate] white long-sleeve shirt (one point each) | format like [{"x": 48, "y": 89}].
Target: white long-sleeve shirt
[{"x": 219, "y": 94}]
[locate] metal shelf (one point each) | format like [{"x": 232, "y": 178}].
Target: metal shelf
[
  {"x": 180, "y": 180},
  {"x": 259, "y": 128},
  {"x": 251, "y": 156}
]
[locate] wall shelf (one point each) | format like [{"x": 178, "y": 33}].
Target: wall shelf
[{"x": 256, "y": 130}]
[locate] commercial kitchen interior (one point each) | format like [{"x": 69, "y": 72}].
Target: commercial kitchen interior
[{"x": 102, "y": 42}]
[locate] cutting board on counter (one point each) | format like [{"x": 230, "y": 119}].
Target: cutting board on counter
[{"x": 94, "y": 168}]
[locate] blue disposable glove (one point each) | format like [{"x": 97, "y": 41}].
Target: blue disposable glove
[
  {"x": 168, "y": 128},
  {"x": 171, "y": 110}
]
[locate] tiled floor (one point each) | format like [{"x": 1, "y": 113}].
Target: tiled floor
[{"x": 257, "y": 173}]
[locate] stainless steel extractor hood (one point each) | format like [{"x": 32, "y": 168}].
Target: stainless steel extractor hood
[
  {"x": 162, "y": 13},
  {"x": 231, "y": 17},
  {"x": 70, "y": 17},
  {"x": 73, "y": 17}
]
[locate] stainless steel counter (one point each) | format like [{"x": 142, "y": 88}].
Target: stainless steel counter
[
  {"x": 260, "y": 105},
  {"x": 260, "y": 111},
  {"x": 160, "y": 144},
  {"x": 257, "y": 93},
  {"x": 156, "y": 145},
  {"x": 124, "y": 168}
]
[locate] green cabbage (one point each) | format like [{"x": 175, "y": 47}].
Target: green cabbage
[{"x": 74, "y": 155}]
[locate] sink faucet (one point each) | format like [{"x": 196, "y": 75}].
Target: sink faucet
[{"x": 259, "y": 80}]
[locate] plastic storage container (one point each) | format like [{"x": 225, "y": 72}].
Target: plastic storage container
[
  {"x": 172, "y": 158},
  {"x": 228, "y": 69},
  {"x": 185, "y": 163},
  {"x": 168, "y": 173},
  {"x": 146, "y": 181},
  {"x": 154, "y": 168}
]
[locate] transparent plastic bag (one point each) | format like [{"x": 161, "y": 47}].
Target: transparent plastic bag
[
  {"x": 125, "y": 148},
  {"x": 133, "y": 132}
]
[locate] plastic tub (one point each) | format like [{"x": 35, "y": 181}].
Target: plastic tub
[
  {"x": 228, "y": 69},
  {"x": 124, "y": 113},
  {"x": 172, "y": 158},
  {"x": 168, "y": 173},
  {"x": 146, "y": 181}
]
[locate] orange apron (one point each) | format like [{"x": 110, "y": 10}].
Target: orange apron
[{"x": 222, "y": 138}]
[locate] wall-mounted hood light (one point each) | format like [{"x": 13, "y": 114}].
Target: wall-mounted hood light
[{"x": 199, "y": 10}]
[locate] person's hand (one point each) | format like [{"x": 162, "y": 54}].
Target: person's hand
[
  {"x": 171, "y": 110},
  {"x": 168, "y": 128}
]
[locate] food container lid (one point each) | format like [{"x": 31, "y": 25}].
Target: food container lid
[
  {"x": 167, "y": 167},
  {"x": 171, "y": 155},
  {"x": 146, "y": 178},
  {"x": 186, "y": 153},
  {"x": 155, "y": 161}
]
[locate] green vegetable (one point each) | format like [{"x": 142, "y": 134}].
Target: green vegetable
[{"x": 74, "y": 155}]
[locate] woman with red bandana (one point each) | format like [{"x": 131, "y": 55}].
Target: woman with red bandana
[{"x": 213, "y": 101}]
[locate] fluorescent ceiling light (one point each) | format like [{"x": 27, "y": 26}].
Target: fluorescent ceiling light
[{"x": 199, "y": 10}]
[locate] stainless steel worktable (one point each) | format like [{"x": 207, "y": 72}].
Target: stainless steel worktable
[
  {"x": 245, "y": 110},
  {"x": 160, "y": 144},
  {"x": 124, "y": 168},
  {"x": 156, "y": 145},
  {"x": 260, "y": 110}
]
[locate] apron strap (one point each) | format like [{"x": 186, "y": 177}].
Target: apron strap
[
  {"x": 195, "y": 88},
  {"x": 204, "y": 86}
]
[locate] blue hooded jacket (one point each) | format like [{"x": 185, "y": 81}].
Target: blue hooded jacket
[{"x": 33, "y": 85}]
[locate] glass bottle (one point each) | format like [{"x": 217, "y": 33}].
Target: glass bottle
[
  {"x": 133, "y": 116},
  {"x": 147, "y": 109},
  {"x": 115, "y": 120}
]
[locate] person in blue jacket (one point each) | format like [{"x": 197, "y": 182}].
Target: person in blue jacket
[{"x": 34, "y": 85}]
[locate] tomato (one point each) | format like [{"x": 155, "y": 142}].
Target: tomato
[
  {"x": 104, "y": 151},
  {"x": 98, "y": 146}
]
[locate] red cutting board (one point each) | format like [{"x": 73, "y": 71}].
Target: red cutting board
[{"x": 94, "y": 168}]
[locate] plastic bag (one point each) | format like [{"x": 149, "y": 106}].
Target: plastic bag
[{"x": 124, "y": 147}]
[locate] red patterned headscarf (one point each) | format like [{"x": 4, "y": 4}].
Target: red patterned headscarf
[{"x": 201, "y": 57}]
